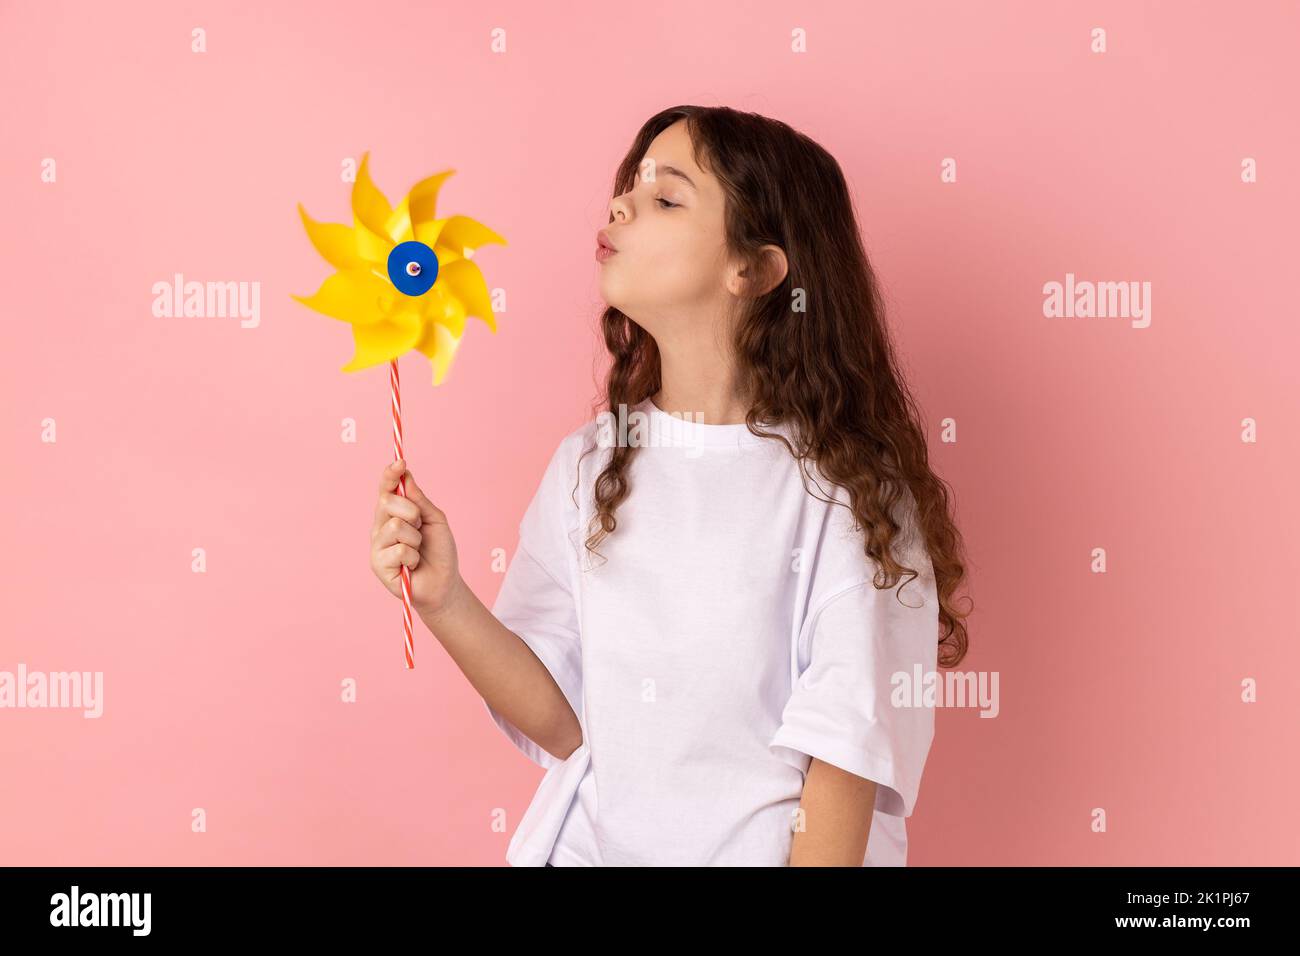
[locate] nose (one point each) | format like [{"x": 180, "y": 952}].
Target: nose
[{"x": 620, "y": 208}]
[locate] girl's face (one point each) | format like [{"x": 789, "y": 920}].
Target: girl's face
[{"x": 670, "y": 273}]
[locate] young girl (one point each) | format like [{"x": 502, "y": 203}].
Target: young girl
[{"x": 732, "y": 586}]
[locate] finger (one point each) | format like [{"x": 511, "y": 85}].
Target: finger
[
  {"x": 399, "y": 554},
  {"x": 393, "y": 505},
  {"x": 388, "y": 482},
  {"x": 391, "y": 473},
  {"x": 428, "y": 510},
  {"x": 394, "y": 530}
]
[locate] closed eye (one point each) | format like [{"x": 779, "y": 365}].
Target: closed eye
[{"x": 668, "y": 205}]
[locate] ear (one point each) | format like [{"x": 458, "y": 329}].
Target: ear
[{"x": 770, "y": 273}]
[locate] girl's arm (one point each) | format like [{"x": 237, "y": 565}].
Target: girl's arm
[
  {"x": 505, "y": 671},
  {"x": 837, "y": 807}
]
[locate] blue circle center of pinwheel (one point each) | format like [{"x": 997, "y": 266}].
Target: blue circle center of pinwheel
[{"x": 412, "y": 267}]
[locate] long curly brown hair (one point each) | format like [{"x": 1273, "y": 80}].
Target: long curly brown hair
[{"x": 828, "y": 369}]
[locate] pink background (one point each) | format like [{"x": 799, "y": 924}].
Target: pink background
[{"x": 222, "y": 690}]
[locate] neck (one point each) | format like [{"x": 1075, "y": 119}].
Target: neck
[{"x": 699, "y": 386}]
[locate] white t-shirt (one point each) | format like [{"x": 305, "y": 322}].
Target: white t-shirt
[{"x": 731, "y": 634}]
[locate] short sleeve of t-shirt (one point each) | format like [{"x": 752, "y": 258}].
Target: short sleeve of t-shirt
[
  {"x": 537, "y": 599},
  {"x": 855, "y": 703}
]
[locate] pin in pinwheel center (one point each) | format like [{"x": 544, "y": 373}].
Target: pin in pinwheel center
[{"x": 412, "y": 267}]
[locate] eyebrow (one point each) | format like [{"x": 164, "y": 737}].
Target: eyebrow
[{"x": 674, "y": 171}]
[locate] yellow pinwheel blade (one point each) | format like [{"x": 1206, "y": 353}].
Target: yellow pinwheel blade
[
  {"x": 415, "y": 208},
  {"x": 398, "y": 227},
  {"x": 389, "y": 338},
  {"x": 333, "y": 240},
  {"x": 463, "y": 282},
  {"x": 440, "y": 346},
  {"x": 439, "y": 305},
  {"x": 428, "y": 232},
  {"x": 371, "y": 246},
  {"x": 368, "y": 204},
  {"x": 424, "y": 196},
  {"x": 353, "y": 295},
  {"x": 461, "y": 233}
]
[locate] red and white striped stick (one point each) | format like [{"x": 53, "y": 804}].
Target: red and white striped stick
[{"x": 401, "y": 487}]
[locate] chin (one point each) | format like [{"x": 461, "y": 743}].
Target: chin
[{"x": 613, "y": 293}]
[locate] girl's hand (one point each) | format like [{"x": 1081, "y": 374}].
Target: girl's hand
[{"x": 413, "y": 532}]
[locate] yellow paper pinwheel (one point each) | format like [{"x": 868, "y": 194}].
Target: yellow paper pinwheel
[{"x": 405, "y": 280}]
